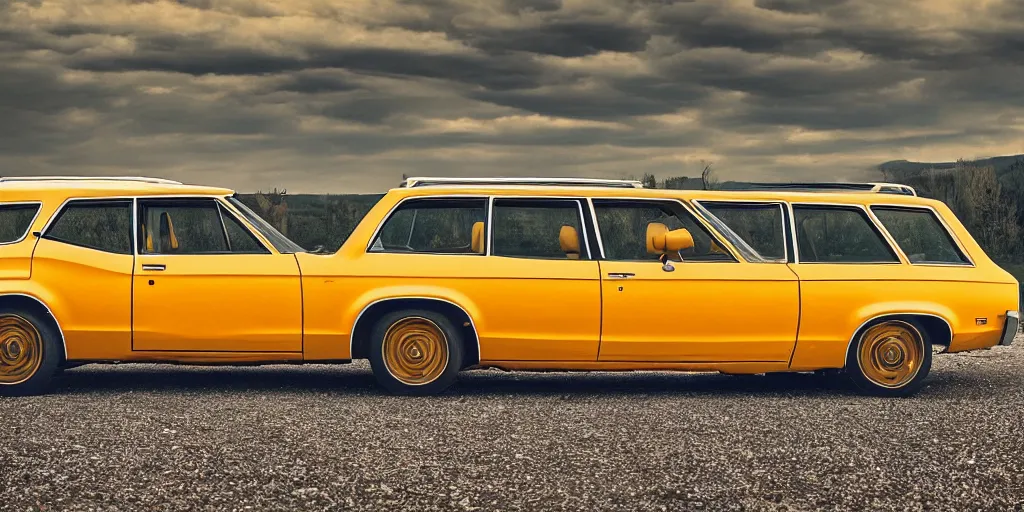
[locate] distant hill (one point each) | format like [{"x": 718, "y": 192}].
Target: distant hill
[{"x": 999, "y": 163}]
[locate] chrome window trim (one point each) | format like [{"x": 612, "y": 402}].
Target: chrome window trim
[
  {"x": 901, "y": 259},
  {"x": 887, "y": 236},
  {"x": 39, "y": 209},
  {"x": 792, "y": 229},
  {"x": 488, "y": 227},
  {"x": 782, "y": 211},
  {"x": 223, "y": 227},
  {"x": 237, "y": 215},
  {"x": 56, "y": 214},
  {"x": 135, "y": 230},
  {"x": 352, "y": 331},
  {"x": 579, "y": 205},
  {"x": 597, "y": 230},
  {"x": 942, "y": 222},
  {"x": 686, "y": 207},
  {"x": 393, "y": 209},
  {"x": 265, "y": 244},
  {"x": 63, "y": 340}
]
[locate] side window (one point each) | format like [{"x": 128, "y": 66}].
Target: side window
[
  {"x": 16, "y": 220},
  {"x": 538, "y": 228},
  {"x": 240, "y": 239},
  {"x": 761, "y": 225},
  {"x": 831, "y": 234},
  {"x": 181, "y": 227},
  {"x": 101, "y": 225},
  {"x": 920, "y": 234},
  {"x": 623, "y": 227},
  {"x": 437, "y": 226}
]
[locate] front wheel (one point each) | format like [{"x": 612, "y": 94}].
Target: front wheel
[
  {"x": 891, "y": 358},
  {"x": 30, "y": 353},
  {"x": 415, "y": 352}
]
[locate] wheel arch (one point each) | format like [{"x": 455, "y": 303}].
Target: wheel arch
[
  {"x": 362, "y": 326},
  {"x": 37, "y": 305},
  {"x": 938, "y": 329}
]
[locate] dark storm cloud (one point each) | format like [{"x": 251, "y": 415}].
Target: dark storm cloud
[
  {"x": 299, "y": 93},
  {"x": 799, "y": 6}
]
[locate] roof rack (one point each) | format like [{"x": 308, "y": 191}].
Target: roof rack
[
  {"x": 571, "y": 182},
  {"x": 90, "y": 178},
  {"x": 876, "y": 187}
]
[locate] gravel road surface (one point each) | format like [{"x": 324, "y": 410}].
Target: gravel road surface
[{"x": 137, "y": 437}]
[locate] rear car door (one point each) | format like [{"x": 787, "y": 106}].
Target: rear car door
[
  {"x": 520, "y": 267},
  {"x": 84, "y": 257},
  {"x": 204, "y": 283},
  {"x": 712, "y": 307}
]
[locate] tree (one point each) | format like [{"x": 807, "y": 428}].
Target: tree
[
  {"x": 649, "y": 180},
  {"x": 707, "y": 176}
]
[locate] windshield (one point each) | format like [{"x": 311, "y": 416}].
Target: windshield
[{"x": 280, "y": 242}]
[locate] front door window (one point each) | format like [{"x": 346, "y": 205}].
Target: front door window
[{"x": 199, "y": 226}]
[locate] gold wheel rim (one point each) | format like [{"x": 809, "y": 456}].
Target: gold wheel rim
[
  {"x": 21, "y": 349},
  {"x": 891, "y": 354},
  {"x": 415, "y": 351}
]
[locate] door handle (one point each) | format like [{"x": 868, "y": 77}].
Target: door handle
[
  {"x": 156, "y": 267},
  {"x": 620, "y": 275}
]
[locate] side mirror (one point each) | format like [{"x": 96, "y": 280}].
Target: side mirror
[
  {"x": 661, "y": 241},
  {"x": 678, "y": 240}
]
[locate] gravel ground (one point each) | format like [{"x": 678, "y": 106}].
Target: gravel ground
[{"x": 136, "y": 437}]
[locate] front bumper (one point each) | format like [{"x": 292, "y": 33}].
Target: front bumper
[{"x": 1010, "y": 328}]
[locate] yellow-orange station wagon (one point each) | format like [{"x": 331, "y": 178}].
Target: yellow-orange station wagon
[{"x": 522, "y": 274}]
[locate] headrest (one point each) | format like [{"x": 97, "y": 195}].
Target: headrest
[
  {"x": 569, "y": 239},
  {"x": 167, "y": 233},
  {"x": 654, "y": 238},
  {"x": 478, "y": 238}
]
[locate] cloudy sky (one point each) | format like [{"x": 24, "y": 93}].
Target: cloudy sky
[{"x": 347, "y": 95}]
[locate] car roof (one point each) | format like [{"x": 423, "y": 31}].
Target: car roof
[{"x": 32, "y": 188}]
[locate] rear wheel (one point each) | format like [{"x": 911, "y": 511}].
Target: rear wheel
[
  {"x": 30, "y": 353},
  {"x": 890, "y": 358},
  {"x": 415, "y": 352}
]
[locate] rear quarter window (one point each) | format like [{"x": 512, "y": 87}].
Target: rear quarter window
[
  {"x": 920, "y": 235},
  {"x": 16, "y": 220},
  {"x": 839, "y": 234}
]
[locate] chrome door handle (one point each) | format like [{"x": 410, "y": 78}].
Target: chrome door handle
[
  {"x": 154, "y": 267},
  {"x": 620, "y": 275}
]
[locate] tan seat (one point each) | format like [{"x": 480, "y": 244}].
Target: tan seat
[
  {"x": 569, "y": 239},
  {"x": 168, "y": 240},
  {"x": 477, "y": 244}
]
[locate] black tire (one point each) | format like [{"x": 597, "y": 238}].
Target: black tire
[
  {"x": 41, "y": 380},
  {"x": 444, "y": 372},
  {"x": 867, "y": 381}
]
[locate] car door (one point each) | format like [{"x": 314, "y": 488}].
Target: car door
[
  {"x": 83, "y": 261},
  {"x": 710, "y": 307},
  {"x": 204, "y": 282},
  {"x": 546, "y": 294},
  {"x": 846, "y": 267},
  {"x": 520, "y": 267}
]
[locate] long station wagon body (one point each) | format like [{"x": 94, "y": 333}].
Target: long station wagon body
[{"x": 446, "y": 275}]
